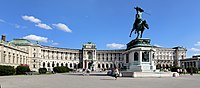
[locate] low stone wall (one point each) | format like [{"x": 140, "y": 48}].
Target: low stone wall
[{"x": 149, "y": 74}]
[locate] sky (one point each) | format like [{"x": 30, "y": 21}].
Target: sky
[{"x": 107, "y": 23}]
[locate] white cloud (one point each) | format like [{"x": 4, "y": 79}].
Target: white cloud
[
  {"x": 158, "y": 45},
  {"x": 2, "y": 21},
  {"x": 55, "y": 43},
  {"x": 36, "y": 38},
  {"x": 17, "y": 26},
  {"x": 197, "y": 44},
  {"x": 31, "y": 18},
  {"x": 194, "y": 49},
  {"x": 43, "y": 26},
  {"x": 116, "y": 46},
  {"x": 62, "y": 27}
]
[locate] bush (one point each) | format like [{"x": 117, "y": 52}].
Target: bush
[
  {"x": 174, "y": 68},
  {"x": 61, "y": 69},
  {"x": 193, "y": 69},
  {"x": 42, "y": 70},
  {"x": 22, "y": 70},
  {"x": 7, "y": 70}
]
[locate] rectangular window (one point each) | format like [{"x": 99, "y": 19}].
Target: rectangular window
[
  {"x": 127, "y": 58},
  {"x": 145, "y": 56}
]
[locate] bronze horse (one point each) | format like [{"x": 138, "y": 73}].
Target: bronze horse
[{"x": 139, "y": 28}]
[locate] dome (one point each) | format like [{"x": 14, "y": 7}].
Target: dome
[{"x": 20, "y": 42}]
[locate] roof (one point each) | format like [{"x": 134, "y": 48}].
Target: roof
[{"x": 21, "y": 42}]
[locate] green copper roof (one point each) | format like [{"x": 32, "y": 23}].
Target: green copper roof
[{"x": 21, "y": 42}]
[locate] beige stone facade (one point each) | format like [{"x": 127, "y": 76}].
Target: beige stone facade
[{"x": 22, "y": 51}]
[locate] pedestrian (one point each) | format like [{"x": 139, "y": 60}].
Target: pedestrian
[{"x": 116, "y": 73}]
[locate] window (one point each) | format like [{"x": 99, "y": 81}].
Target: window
[
  {"x": 99, "y": 66},
  {"x": 43, "y": 64},
  {"x": 34, "y": 55},
  {"x": 66, "y": 65},
  {"x": 145, "y": 56},
  {"x": 135, "y": 56},
  {"x": 70, "y": 65},
  {"x": 34, "y": 66},
  {"x": 48, "y": 65},
  {"x": 53, "y": 64},
  {"x": 127, "y": 58}
]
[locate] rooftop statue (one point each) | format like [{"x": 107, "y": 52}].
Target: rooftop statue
[{"x": 139, "y": 24}]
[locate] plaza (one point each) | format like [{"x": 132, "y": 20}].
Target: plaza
[{"x": 96, "y": 80}]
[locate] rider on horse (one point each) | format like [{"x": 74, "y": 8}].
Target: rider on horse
[{"x": 139, "y": 24}]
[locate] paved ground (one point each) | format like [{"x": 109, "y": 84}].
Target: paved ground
[{"x": 96, "y": 81}]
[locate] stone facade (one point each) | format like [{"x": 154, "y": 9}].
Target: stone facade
[
  {"x": 13, "y": 55},
  {"x": 191, "y": 62},
  {"x": 21, "y": 51}
]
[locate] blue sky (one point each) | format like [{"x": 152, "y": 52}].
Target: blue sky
[{"x": 107, "y": 23}]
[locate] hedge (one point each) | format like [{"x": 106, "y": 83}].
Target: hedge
[
  {"x": 22, "y": 70},
  {"x": 42, "y": 70},
  {"x": 193, "y": 69},
  {"x": 7, "y": 70},
  {"x": 61, "y": 69},
  {"x": 174, "y": 68}
]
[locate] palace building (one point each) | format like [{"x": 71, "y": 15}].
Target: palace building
[{"x": 24, "y": 52}]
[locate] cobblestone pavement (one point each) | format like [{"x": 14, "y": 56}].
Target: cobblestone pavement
[{"x": 95, "y": 80}]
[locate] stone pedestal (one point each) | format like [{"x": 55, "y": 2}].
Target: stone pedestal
[
  {"x": 140, "y": 56},
  {"x": 139, "y": 43}
]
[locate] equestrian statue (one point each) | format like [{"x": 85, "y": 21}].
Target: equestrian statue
[{"x": 139, "y": 24}]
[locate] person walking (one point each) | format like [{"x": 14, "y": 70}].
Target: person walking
[{"x": 116, "y": 73}]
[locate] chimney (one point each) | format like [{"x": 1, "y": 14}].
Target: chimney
[{"x": 3, "y": 38}]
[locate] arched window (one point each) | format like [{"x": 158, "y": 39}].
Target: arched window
[
  {"x": 163, "y": 66},
  {"x": 135, "y": 56},
  {"x": 75, "y": 65},
  {"x": 43, "y": 64},
  {"x": 111, "y": 65},
  {"x": 48, "y": 65},
  {"x": 70, "y": 65},
  {"x": 99, "y": 66},
  {"x": 53, "y": 64},
  {"x": 66, "y": 65},
  {"x": 107, "y": 66},
  {"x": 57, "y": 64},
  {"x": 103, "y": 66},
  {"x": 153, "y": 55},
  {"x": 61, "y": 64}
]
